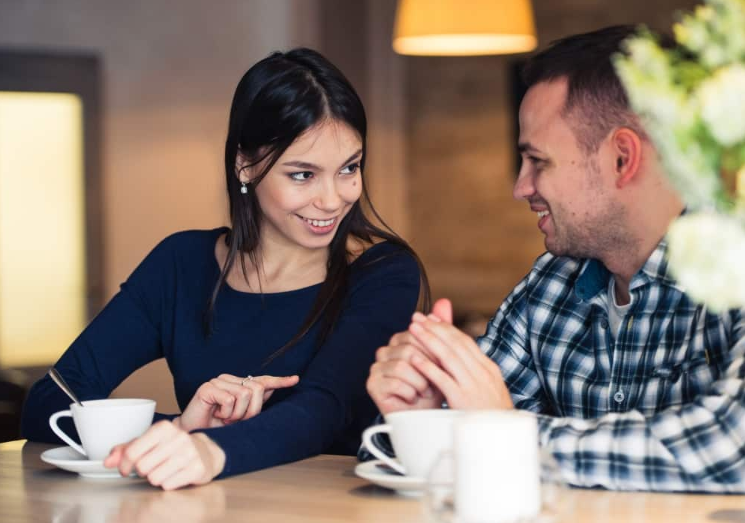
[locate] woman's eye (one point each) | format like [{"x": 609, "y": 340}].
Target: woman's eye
[
  {"x": 351, "y": 168},
  {"x": 301, "y": 176}
]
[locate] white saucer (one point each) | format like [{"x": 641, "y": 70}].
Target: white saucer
[
  {"x": 68, "y": 458},
  {"x": 404, "y": 485}
]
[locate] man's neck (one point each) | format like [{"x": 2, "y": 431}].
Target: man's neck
[{"x": 624, "y": 264}]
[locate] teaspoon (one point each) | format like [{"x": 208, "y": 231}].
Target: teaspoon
[{"x": 57, "y": 378}]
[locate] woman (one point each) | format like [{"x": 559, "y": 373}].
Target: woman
[{"x": 298, "y": 292}]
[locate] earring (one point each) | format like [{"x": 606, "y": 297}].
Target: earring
[{"x": 244, "y": 189}]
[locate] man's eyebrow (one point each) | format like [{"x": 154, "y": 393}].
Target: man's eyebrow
[{"x": 524, "y": 147}]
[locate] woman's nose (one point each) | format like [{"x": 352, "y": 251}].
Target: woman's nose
[{"x": 328, "y": 198}]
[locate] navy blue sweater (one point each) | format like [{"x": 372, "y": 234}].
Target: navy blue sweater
[{"x": 159, "y": 313}]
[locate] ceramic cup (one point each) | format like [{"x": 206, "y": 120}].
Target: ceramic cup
[
  {"x": 418, "y": 437},
  {"x": 497, "y": 467},
  {"x": 103, "y": 424}
]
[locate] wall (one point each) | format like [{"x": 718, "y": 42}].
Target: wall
[{"x": 169, "y": 70}]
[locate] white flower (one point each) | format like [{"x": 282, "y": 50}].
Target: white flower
[
  {"x": 650, "y": 59},
  {"x": 691, "y": 34},
  {"x": 723, "y": 104},
  {"x": 692, "y": 106},
  {"x": 706, "y": 253},
  {"x": 687, "y": 167}
]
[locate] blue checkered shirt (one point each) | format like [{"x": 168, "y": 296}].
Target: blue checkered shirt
[{"x": 660, "y": 406}]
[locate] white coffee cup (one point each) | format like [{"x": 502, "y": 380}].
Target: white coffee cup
[
  {"x": 103, "y": 424},
  {"x": 497, "y": 466},
  {"x": 418, "y": 437}
]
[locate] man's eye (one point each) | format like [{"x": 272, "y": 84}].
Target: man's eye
[
  {"x": 351, "y": 168},
  {"x": 538, "y": 163},
  {"x": 301, "y": 176}
]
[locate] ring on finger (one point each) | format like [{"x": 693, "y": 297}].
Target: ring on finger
[{"x": 247, "y": 378}]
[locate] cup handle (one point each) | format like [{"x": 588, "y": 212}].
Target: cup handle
[
  {"x": 367, "y": 440},
  {"x": 60, "y": 434}
]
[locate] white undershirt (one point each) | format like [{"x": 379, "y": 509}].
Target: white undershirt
[{"x": 616, "y": 312}]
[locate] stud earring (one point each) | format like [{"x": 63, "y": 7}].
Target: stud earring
[{"x": 244, "y": 189}]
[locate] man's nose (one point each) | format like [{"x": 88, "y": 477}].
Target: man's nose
[{"x": 524, "y": 186}]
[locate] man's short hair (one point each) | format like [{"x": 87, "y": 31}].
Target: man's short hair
[{"x": 596, "y": 100}]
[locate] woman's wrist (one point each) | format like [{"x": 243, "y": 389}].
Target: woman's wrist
[{"x": 216, "y": 462}]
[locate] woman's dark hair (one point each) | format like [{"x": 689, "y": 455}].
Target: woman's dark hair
[{"x": 276, "y": 101}]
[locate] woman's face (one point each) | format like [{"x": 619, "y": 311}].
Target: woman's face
[{"x": 311, "y": 187}]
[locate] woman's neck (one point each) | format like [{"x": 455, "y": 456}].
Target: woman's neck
[{"x": 280, "y": 267}]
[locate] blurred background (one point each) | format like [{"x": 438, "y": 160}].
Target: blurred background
[{"x": 153, "y": 81}]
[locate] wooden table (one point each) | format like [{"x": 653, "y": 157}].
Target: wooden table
[{"x": 320, "y": 489}]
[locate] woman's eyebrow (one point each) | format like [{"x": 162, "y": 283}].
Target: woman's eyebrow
[
  {"x": 302, "y": 165},
  {"x": 313, "y": 167}
]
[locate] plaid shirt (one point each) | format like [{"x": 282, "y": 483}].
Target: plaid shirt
[{"x": 660, "y": 407}]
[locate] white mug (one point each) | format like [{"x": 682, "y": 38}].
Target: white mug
[
  {"x": 103, "y": 424},
  {"x": 418, "y": 437},
  {"x": 498, "y": 467}
]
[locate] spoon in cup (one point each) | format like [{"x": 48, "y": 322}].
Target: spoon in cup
[{"x": 57, "y": 378}]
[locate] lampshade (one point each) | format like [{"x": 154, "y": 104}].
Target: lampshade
[{"x": 458, "y": 28}]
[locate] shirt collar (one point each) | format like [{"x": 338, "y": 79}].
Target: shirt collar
[{"x": 594, "y": 276}]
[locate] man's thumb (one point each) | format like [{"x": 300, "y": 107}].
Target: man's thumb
[{"x": 443, "y": 309}]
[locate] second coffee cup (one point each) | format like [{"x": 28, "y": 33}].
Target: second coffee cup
[{"x": 418, "y": 437}]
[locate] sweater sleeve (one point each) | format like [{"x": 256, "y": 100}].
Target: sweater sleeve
[
  {"x": 123, "y": 337},
  {"x": 332, "y": 390}
]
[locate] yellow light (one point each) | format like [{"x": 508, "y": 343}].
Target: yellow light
[
  {"x": 42, "y": 229},
  {"x": 458, "y": 28}
]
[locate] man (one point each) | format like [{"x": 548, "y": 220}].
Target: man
[{"x": 635, "y": 386}]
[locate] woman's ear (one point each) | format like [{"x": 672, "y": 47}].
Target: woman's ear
[
  {"x": 627, "y": 148},
  {"x": 242, "y": 168}
]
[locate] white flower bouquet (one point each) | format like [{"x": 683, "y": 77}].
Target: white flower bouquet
[{"x": 691, "y": 99}]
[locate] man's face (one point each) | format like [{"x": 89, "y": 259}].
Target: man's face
[{"x": 572, "y": 192}]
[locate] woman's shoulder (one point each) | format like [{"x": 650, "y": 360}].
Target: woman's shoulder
[
  {"x": 183, "y": 248},
  {"x": 379, "y": 249},
  {"x": 192, "y": 239},
  {"x": 188, "y": 244},
  {"x": 384, "y": 258}
]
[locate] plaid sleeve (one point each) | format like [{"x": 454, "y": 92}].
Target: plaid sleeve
[
  {"x": 506, "y": 342},
  {"x": 698, "y": 446}
]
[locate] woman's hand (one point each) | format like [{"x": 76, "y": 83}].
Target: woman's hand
[
  {"x": 227, "y": 399},
  {"x": 169, "y": 457},
  {"x": 394, "y": 383}
]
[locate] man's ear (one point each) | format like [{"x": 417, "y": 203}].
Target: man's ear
[{"x": 627, "y": 149}]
